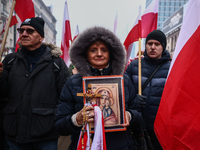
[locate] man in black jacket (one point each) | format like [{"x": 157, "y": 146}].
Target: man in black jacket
[
  {"x": 155, "y": 56},
  {"x": 32, "y": 79}
]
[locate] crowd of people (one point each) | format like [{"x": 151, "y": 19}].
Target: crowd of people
[{"x": 38, "y": 93}]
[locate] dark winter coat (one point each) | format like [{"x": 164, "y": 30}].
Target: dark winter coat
[
  {"x": 70, "y": 104},
  {"x": 32, "y": 96},
  {"x": 154, "y": 89}
]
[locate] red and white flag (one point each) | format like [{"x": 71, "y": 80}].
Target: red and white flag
[
  {"x": 115, "y": 24},
  {"x": 24, "y": 9},
  {"x": 13, "y": 22},
  {"x": 143, "y": 26},
  {"x": 177, "y": 123},
  {"x": 133, "y": 35},
  {"x": 66, "y": 36},
  {"x": 76, "y": 33},
  {"x": 149, "y": 18},
  {"x": 99, "y": 140}
]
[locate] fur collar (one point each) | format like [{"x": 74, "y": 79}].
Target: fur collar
[{"x": 55, "y": 51}]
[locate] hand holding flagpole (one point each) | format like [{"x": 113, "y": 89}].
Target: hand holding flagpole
[{"x": 6, "y": 31}]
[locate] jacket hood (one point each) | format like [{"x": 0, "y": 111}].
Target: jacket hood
[
  {"x": 55, "y": 51},
  {"x": 80, "y": 45}
]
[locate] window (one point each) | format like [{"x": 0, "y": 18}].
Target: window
[
  {"x": 4, "y": 6},
  {"x": 11, "y": 43}
]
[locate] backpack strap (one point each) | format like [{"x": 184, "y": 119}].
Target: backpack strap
[
  {"x": 151, "y": 76},
  {"x": 9, "y": 62},
  {"x": 56, "y": 69},
  {"x": 56, "y": 65}
]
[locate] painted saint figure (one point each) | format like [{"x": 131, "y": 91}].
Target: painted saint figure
[{"x": 106, "y": 102}]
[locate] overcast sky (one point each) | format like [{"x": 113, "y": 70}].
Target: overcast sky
[{"x": 87, "y": 13}]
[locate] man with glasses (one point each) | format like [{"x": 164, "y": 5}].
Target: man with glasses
[{"x": 32, "y": 79}]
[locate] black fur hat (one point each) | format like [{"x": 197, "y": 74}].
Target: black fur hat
[
  {"x": 159, "y": 36},
  {"x": 37, "y": 23}
]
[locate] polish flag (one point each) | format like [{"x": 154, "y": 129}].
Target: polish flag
[
  {"x": 24, "y": 9},
  {"x": 99, "y": 140},
  {"x": 177, "y": 123},
  {"x": 66, "y": 36},
  {"x": 133, "y": 35},
  {"x": 76, "y": 33},
  {"x": 149, "y": 18},
  {"x": 115, "y": 24},
  {"x": 143, "y": 26},
  {"x": 13, "y": 22}
]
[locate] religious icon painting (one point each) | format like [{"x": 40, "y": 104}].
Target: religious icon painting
[{"x": 109, "y": 96}]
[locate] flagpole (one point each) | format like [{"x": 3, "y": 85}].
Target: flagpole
[
  {"x": 7, "y": 28},
  {"x": 139, "y": 69},
  {"x": 139, "y": 54}
]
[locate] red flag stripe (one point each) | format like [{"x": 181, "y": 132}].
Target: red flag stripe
[
  {"x": 132, "y": 36},
  {"x": 13, "y": 22},
  {"x": 149, "y": 18},
  {"x": 24, "y": 9},
  {"x": 149, "y": 23},
  {"x": 66, "y": 36},
  {"x": 82, "y": 146}
]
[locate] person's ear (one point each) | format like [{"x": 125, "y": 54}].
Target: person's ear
[{"x": 41, "y": 39}]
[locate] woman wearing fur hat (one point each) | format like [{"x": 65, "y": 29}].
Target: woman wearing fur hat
[
  {"x": 95, "y": 52},
  {"x": 32, "y": 79},
  {"x": 155, "y": 56}
]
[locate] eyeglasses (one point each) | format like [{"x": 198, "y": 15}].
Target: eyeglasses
[{"x": 28, "y": 30}]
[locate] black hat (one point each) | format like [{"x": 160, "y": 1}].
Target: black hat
[
  {"x": 159, "y": 36},
  {"x": 37, "y": 23}
]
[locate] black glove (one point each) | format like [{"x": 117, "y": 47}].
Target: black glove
[{"x": 142, "y": 100}]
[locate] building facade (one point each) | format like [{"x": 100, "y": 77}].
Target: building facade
[
  {"x": 41, "y": 10},
  {"x": 171, "y": 28},
  {"x": 170, "y": 17},
  {"x": 5, "y": 6},
  {"x": 167, "y": 8}
]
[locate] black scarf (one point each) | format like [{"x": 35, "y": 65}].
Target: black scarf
[{"x": 33, "y": 56}]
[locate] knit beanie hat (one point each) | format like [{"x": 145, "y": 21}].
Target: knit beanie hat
[
  {"x": 37, "y": 23},
  {"x": 159, "y": 36}
]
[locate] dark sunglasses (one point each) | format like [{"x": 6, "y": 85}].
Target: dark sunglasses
[{"x": 28, "y": 30}]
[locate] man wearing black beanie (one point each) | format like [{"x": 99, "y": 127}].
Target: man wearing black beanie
[
  {"x": 32, "y": 79},
  {"x": 156, "y": 61}
]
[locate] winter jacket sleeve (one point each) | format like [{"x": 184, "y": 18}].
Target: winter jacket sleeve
[
  {"x": 130, "y": 94},
  {"x": 65, "y": 110},
  {"x": 7, "y": 63},
  {"x": 129, "y": 69}
]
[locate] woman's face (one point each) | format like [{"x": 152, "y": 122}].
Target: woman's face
[{"x": 98, "y": 55}]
